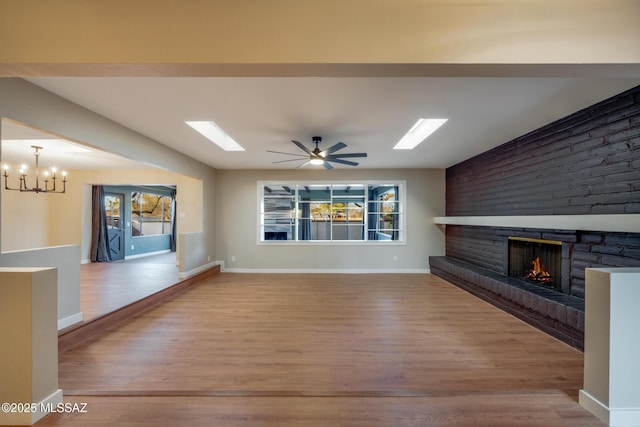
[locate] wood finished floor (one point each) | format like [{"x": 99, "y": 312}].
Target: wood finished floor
[
  {"x": 326, "y": 350},
  {"x": 105, "y": 287}
]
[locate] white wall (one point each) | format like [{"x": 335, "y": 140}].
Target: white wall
[{"x": 237, "y": 201}]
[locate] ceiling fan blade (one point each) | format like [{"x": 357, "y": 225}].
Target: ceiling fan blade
[
  {"x": 344, "y": 162},
  {"x": 340, "y": 156},
  {"x": 304, "y": 164},
  {"x": 327, "y": 166},
  {"x": 302, "y": 147},
  {"x": 288, "y": 160},
  {"x": 290, "y": 154},
  {"x": 333, "y": 149}
]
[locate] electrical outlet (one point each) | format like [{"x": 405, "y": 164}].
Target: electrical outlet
[
  {"x": 132, "y": 247},
  {"x": 395, "y": 257},
  {"x": 233, "y": 257}
]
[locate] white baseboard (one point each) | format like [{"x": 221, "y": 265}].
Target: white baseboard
[
  {"x": 187, "y": 274},
  {"x": 85, "y": 261},
  {"x": 146, "y": 254},
  {"x": 37, "y": 411},
  {"x": 70, "y": 320},
  {"x": 615, "y": 417}
]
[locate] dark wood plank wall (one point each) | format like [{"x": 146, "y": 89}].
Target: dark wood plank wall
[
  {"x": 586, "y": 163},
  {"x": 595, "y": 250}
]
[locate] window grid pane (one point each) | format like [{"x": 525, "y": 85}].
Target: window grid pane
[
  {"x": 150, "y": 214},
  {"x": 330, "y": 212}
]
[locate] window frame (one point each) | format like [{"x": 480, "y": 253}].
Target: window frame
[
  {"x": 296, "y": 216},
  {"x": 163, "y": 223}
]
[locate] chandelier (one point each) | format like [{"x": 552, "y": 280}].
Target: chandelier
[{"x": 49, "y": 178}]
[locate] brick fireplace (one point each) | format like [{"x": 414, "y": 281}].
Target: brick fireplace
[
  {"x": 536, "y": 261},
  {"x": 586, "y": 169}
]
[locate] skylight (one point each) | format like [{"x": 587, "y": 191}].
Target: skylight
[
  {"x": 215, "y": 134},
  {"x": 418, "y": 133}
]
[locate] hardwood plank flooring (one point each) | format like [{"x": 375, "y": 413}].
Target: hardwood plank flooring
[
  {"x": 323, "y": 349},
  {"x": 76, "y": 334},
  {"x": 105, "y": 287}
]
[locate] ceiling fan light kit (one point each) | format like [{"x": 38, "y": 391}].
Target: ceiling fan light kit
[{"x": 321, "y": 157}]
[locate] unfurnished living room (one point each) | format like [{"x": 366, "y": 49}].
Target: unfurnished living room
[{"x": 351, "y": 213}]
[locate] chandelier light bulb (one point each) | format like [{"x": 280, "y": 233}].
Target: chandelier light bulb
[{"x": 24, "y": 180}]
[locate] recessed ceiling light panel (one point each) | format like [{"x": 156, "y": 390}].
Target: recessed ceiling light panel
[
  {"x": 418, "y": 133},
  {"x": 215, "y": 134}
]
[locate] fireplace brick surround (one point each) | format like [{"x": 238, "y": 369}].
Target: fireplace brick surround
[{"x": 584, "y": 164}]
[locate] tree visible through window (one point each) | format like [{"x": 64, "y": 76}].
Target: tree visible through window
[
  {"x": 150, "y": 214},
  {"x": 112, "y": 210}
]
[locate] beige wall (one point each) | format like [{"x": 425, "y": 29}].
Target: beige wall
[
  {"x": 29, "y": 360},
  {"x": 237, "y": 226},
  {"x": 65, "y": 260},
  {"x": 189, "y": 196},
  {"x": 311, "y": 32},
  {"x": 38, "y": 220},
  {"x": 26, "y": 221},
  {"x": 33, "y": 106},
  {"x": 31, "y": 221}
]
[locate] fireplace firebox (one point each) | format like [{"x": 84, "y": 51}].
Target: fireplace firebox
[{"x": 536, "y": 261}]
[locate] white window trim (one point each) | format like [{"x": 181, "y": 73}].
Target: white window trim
[{"x": 402, "y": 189}]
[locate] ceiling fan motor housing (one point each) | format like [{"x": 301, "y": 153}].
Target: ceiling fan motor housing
[
  {"x": 323, "y": 157},
  {"x": 317, "y": 151}
]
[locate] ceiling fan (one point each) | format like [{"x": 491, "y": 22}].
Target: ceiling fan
[{"x": 321, "y": 157}]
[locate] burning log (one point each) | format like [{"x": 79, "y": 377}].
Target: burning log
[{"x": 537, "y": 273}]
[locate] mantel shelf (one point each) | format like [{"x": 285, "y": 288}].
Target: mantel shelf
[{"x": 624, "y": 223}]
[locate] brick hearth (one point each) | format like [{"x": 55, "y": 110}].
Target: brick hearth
[{"x": 556, "y": 313}]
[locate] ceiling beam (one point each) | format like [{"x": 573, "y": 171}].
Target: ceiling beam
[{"x": 248, "y": 37}]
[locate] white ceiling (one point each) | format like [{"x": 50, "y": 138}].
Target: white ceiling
[
  {"x": 17, "y": 142},
  {"x": 368, "y": 114}
]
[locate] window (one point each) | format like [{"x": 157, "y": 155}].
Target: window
[
  {"x": 150, "y": 214},
  {"x": 112, "y": 209},
  {"x": 334, "y": 212}
]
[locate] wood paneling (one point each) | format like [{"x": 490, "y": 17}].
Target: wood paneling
[
  {"x": 586, "y": 163},
  {"x": 323, "y": 349}
]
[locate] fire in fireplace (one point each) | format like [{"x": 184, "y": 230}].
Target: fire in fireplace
[
  {"x": 536, "y": 261},
  {"x": 538, "y": 273}
]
